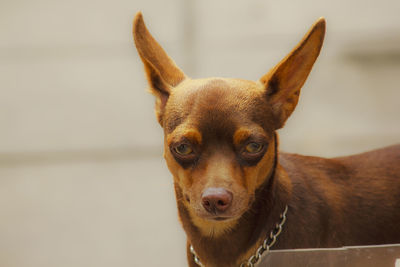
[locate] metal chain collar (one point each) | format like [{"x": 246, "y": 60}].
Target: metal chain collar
[{"x": 265, "y": 247}]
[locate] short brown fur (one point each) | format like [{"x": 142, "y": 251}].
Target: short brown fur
[{"x": 220, "y": 136}]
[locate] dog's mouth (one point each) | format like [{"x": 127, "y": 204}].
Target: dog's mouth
[{"x": 220, "y": 218}]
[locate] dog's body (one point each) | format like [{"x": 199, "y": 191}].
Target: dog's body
[
  {"x": 232, "y": 185},
  {"x": 332, "y": 203}
]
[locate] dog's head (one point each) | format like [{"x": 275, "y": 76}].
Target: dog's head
[{"x": 219, "y": 133}]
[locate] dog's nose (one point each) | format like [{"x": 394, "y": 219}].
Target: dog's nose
[{"x": 216, "y": 199}]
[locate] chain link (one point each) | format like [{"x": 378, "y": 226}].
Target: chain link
[
  {"x": 265, "y": 247},
  {"x": 195, "y": 258}
]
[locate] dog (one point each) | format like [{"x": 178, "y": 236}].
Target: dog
[{"x": 237, "y": 196}]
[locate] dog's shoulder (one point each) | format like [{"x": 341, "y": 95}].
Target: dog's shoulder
[
  {"x": 385, "y": 156},
  {"x": 380, "y": 164},
  {"x": 378, "y": 169},
  {"x": 297, "y": 165}
]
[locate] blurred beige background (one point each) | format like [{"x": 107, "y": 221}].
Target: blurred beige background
[{"x": 82, "y": 179}]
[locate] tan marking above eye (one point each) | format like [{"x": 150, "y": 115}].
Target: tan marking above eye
[
  {"x": 193, "y": 135},
  {"x": 240, "y": 136},
  {"x": 244, "y": 134},
  {"x": 181, "y": 132}
]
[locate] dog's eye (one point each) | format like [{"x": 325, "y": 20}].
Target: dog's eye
[
  {"x": 183, "y": 149},
  {"x": 253, "y": 147}
]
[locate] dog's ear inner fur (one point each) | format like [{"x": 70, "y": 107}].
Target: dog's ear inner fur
[
  {"x": 161, "y": 71},
  {"x": 284, "y": 81}
]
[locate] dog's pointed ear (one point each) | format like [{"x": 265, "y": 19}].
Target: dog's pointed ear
[
  {"x": 284, "y": 81},
  {"x": 161, "y": 71}
]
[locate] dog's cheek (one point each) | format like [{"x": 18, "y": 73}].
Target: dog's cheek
[
  {"x": 263, "y": 171},
  {"x": 172, "y": 165},
  {"x": 250, "y": 176},
  {"x": 184, "y": 178},
  {"x": 265, "y": 167},
  {"x": 255, "y": 176},
  {"x": 180, "y": 175}
]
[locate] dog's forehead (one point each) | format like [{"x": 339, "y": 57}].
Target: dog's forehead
[
  {"x": 216, "y": 94},
  {"x": 216, "y": 105}
]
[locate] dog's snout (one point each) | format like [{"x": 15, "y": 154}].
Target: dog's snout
[{"x": 216, "y": 199}]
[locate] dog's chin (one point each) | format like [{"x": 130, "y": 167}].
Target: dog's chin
[{"x": 214, "y": 225}]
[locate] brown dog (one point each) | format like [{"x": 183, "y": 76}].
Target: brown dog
[{"x": 232, "y": 186}]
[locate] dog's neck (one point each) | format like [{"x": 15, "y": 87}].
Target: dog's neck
[{"x": 254, "y": 225}]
